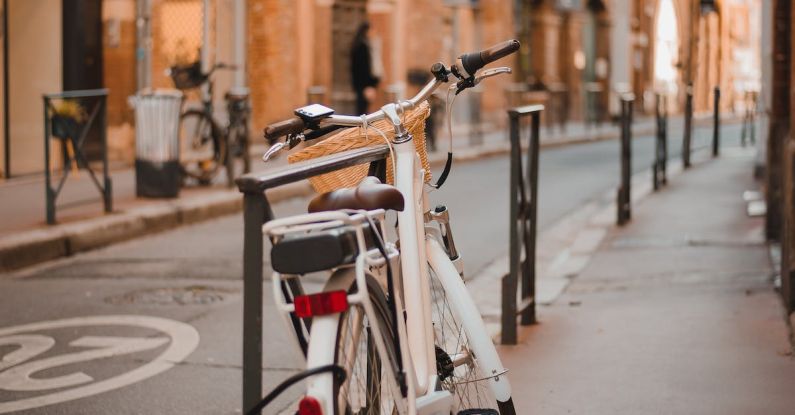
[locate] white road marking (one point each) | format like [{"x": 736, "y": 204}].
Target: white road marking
[
  {"x": 18, "y": 378},
  {"x": 30, "y": 345},
  {"x": 184, "y": 340}
]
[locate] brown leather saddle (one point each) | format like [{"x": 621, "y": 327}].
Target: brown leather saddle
[{"x": 369, "y": 194}]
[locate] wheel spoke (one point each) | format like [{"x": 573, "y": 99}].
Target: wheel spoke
[{"x": 470, "y": 389}]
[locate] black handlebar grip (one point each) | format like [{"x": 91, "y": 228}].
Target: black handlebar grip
[
  {"x": 476, "y": 60},
  {"x": 293, "y": 125}
]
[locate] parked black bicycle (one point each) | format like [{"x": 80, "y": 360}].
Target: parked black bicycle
[{"x": 206, "y": 146}]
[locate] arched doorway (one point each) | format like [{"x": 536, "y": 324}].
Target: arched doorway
[{"x": 666, "y": 51}]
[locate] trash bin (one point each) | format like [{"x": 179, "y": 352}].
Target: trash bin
[{"x": 157, "y": 169}]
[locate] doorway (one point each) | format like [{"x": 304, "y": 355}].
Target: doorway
[{"x": 82, "y": 59}]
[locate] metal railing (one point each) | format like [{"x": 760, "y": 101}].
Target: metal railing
[
  {"x": 659, "y": 166},
  {"x": 523, "y": 226},
  {"x": 624, "y": 196},
  {"x": 256, "y": 212},
  {"x": 73, "y": 134}
]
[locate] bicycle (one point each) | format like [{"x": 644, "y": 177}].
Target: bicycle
[
  {"x": 394, "y": 330},
  {"x": 205, "y": 145}
]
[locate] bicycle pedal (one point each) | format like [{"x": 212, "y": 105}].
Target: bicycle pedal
[{"x": 478, "y": 412}]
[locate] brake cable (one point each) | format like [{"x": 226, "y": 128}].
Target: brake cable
[{"x": 448, "y": 165}]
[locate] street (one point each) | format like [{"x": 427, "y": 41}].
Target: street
[{"x": 192, "y": 275}]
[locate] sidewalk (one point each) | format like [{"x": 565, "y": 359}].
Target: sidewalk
[
  {"x": 674, "y": 313},
  {"x": 25, "y": 238}
]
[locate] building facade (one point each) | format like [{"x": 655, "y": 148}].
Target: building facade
[{"x": 577, "y": 53}]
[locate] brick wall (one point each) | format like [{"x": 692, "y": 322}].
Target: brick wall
[{"x": 272, "y": 59}]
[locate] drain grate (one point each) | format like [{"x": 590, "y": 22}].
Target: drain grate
[{"x": 191, "y": 295}]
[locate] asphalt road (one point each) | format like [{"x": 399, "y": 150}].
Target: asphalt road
[{"x": 189, "y": 361}]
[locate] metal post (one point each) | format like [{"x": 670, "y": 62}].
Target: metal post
[
  {"x": 746, "y": 119},
  {"x": 529, "y": 269},
  {"x": 716, "y": 124},
  {"x": 661, "y": 142},
  {"x": 664, "y": 136},
  {"x": 49, "y": 196},
  {"x": 688, "y": 125},
  {"x": 509, "y": 282},
  {"x": 655, "y": 164},
  {"x": 523, "y": 228},
  {"x": 788, "y": 228},
  {"x": 255, "y": 212},
  {"x": 623, "y": 199},
  {"x": 107, "y": 190}
]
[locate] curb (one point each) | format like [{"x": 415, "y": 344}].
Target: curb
[
  {"x": 32, "y": 247},
  {"x": 40, "y": 245}
]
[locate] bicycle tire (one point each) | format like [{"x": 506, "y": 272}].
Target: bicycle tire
[
  {"x": 202, "y": 146},
  {"x": 466, "y": 382},
  {"x": 364, "y": 392}
]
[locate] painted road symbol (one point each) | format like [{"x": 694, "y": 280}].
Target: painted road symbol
[{"x": 20, "y": 371}]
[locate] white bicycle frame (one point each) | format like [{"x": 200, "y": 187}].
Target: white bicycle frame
[{"x": 418, "y": 250}]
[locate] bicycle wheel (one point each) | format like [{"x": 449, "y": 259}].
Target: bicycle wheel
[
  {"x": 202, "y": 146},
  {"x": 456, "y": 364},
  {"x": 370, "y": 387}
]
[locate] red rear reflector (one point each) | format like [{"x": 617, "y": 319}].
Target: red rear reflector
[
  {"x": 309, "y": 406},
  {"x": 321, "y": 304}
]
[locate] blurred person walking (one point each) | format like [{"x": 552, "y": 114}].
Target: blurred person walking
[{"x": 363, "y": 75}]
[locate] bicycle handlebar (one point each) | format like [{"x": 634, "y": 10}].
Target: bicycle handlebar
[
  {"x": 468, "y": 64},
  {"x": 472, "y": 62},
  {"x": 293, "y": 125}
]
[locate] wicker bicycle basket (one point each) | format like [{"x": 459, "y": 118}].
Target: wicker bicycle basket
[
  {"x": 187, "y": 76},
  {"x": 353, "y": 138}
]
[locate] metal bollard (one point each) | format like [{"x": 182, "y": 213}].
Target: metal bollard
[
  {"x": 716, "y": 123},
  {"x": 659, "y": 165},
  {"x": 523, "y": 226},
  {"x": 688, "y": 126},
  {"x": 72, "y": 133},
  {"x": 623, "y": 199}
]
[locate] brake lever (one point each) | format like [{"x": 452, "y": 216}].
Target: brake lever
[
  {"x": 290, "y": 142},
  {"x": 488, "y": 73},
  {"x": 272, "y": 151}
]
